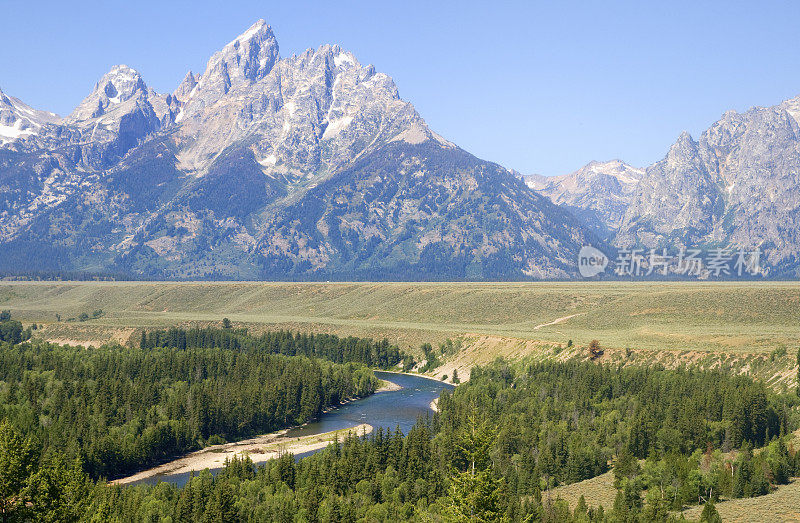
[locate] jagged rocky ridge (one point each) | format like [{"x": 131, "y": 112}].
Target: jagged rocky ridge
[
  {"x": 306, "y": 167},
  {"x": 736, "y": 187},
  {"x": 18, "y": 120},
  {"x": 313, "y": 167}
]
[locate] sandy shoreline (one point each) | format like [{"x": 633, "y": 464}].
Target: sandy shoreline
[
  {"x": 260, "y": 449},
  {"x": 434, "y": 405},
  {"x": 415, "y": 375},
  {"x": 388, "y": 386}
]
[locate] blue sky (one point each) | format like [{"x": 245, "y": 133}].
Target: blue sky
[{"x": 541, "y": 87}]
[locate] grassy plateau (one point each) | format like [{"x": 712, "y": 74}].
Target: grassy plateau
[{"x": 746, "y": 317}]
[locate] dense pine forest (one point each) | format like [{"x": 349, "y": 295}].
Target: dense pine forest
[
  {"x": 380, "y": 354},
  {"x": 121, "y": 410},
  {"x": 502, "y": 440},
  {"x": 495, "y": 450}
]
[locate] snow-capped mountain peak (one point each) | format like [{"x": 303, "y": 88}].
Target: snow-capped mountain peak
[
  {"x": 266, "y": 166},
  {"x": 624, "y": 173},
  {"x": 119, "y": 85},
  {"x": 18, "y": 120},
  {"x": 793, "y": 108},
  {"x": 246, "y": 59},
  {"x": 308, "y": 113}
]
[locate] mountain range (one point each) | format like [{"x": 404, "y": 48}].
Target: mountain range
[
  {"x": 313, "y": 167},
  {"x": 736, "y": 187}
]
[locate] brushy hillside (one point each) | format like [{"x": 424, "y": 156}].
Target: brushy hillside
[
  {"x": 597, "y": 491},
  {"x": 777, "y": 368},
  {"x": 781, "y": 505}
]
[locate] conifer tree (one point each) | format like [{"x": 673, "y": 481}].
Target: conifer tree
[
  {"x": 710, "y": 514},
  {"x": 18, "y": 456}
]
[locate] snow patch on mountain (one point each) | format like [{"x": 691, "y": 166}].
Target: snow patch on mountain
[
  {"x": 18, "y": 120},
  {"x": 9, "y": 133},
  {"x": 344, "y": 58},
  {"x": 793, "y": 108}
]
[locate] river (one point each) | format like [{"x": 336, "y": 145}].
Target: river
[{"x": 389, "y": 409}]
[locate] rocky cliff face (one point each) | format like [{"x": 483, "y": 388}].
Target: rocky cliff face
[
  {"x": 738, "y": 185},
  {"x": 309, "y": 166},
  {"x": 302, "y": 116}
]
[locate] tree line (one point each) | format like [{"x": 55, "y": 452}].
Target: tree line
[{"x": 376, "y": 354}]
